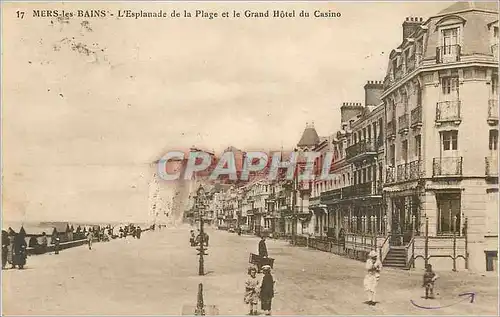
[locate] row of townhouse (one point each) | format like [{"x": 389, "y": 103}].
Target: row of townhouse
[{"x": 416, "y": 164}]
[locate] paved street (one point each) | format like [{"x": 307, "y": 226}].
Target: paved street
[{"x": 157, "y": 275}]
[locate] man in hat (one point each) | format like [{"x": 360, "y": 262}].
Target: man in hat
[
  {"x": 266, "y": 290},
  {"x": 373, "y": 267}
]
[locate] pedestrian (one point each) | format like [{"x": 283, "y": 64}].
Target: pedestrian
[
  {"x": 205, "y": 238},
  {"x": 20, "y": 250},
  {"x": 57, "y": 245},
  {"x": 373, "y": 267},
  {"x": 429, "y": 278},
  {"x": 266, "y": 290},
  {"x": 138, "y": 232},
  {"x": 5, "y": 247},
  {"x": 192, "y": 238},
  {"x": 10, "y": 248},
  {"x": 252, "y": 288},
  {"x": 263, "y": 247},
  {"x": 43, "y": 243},
  {"x": 90, "y": 237},
  {"x": 262, "y": 252}
]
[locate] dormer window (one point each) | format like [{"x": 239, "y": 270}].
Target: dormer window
[{"x": 449, "y": 48}]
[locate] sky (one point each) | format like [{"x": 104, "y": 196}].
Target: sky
[{"x": 87, "y": 106}]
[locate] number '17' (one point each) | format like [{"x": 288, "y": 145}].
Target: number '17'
[{"x": 20, "y": 14}]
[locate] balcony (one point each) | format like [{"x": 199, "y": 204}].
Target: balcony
[
  {"x": 491, "y": 164},
  {"x": 403, "y": 124},
  {"x": 390, "y": 175},
  {"x": 448, "y": 111},
  {"x": 391, "y": 129},
  {"x": 362, "y": 190},
  {"x": 493, "y": 111},
  {"x": 447, "y": 166},
  {"x": 416, "y": 117},
  {"x": 408, "y": 171},
  {"x": 402, "y": 172},
  {"x": 331, "y": 196},
  {"x": 448, "y": 54},
  {"x": 360, "y": 150},
  {"x": 314, "y": 201},
  {"x": 415, "y": 169}
]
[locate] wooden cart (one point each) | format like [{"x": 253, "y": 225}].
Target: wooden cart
[{"x": 260, "y": 261}]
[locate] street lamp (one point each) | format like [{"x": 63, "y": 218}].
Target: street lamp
[{"x": 200, "y": 205}]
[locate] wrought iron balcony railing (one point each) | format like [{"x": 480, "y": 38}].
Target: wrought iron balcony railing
[
  {"x": 403, "y": 123},
  {"x": 331, "y": 195},
  {"x": 491, "y": 166},
  {"x": 448, "y": 111},
  {"x": 448, "y": 53},
  {"x": 447, "y": 166},
  {"x": 408, "y": 171},
  {"x": 361, "y": 190},
  {"x": 416, "y": 116},
  {"x": 360, "y": 149},
  {"x": 390, "y": 175},
  {"x": 492, "y": 110}
]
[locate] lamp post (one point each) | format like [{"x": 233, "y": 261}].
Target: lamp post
[{"x": 200, "y": 205}]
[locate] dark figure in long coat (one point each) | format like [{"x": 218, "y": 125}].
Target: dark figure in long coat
[
  {"x": 20, "y": 250},
  {"x": 263, "y": 247},
  {"x": 267, "y": 290},
  {"x": 5, "y": 247},
  {"x": 138, "y": 232}
]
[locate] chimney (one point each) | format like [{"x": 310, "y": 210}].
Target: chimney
[
  {"x": 410, "y": 25},
  {"x": 373, "y": 91},
  {"x": 350, "y": 110}
]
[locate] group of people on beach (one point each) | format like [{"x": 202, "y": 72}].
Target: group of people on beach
[{"x": 14, "y": 249}]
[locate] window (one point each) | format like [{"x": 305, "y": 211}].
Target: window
[
  {"x": 343, "y": 179},
  {"x": 494, "y": 86},
  {"x": 449, "y": 213},
  {"x": 404, "y": 98},
  {"x": 394, "y": 67},
  {"x": 450, "y": 39},
  {"x": 450, "y": 140},
  {"x": 418, "y": 146},
  {"x": 404, "y": 150},
  {"x": 392, "y": 155},
  {"x": 493, "y": 140},
  {"x": 449, "y": 85},
  {"x": 495, "y": 32}
]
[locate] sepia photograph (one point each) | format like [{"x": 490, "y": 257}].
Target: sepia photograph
[{"x": 236, "y": 158}]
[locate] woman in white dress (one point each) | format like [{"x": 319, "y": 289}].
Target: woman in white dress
[{"x": 373, "y": 267}]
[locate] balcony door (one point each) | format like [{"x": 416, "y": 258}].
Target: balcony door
[
  {"x": 449, "y": 162},
  {"x": 450, "y": 41},
  {"x": 449, "y": 213}
]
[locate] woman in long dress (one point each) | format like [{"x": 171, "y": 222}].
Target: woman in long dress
[
  {"x": 373, "y": 267},
  {"x": 266, "y": 290},
  {"x": 252, "y": 286}
]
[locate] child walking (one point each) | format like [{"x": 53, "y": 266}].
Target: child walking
[
  {"x": 252, "y": 286},
  {"x": 429, "y": 278}
]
